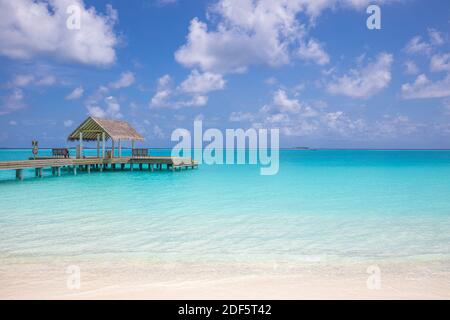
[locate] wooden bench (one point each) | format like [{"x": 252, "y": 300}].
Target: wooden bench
[
  {"x": 60, "y": 153},
  {"x": 139, "y": 153}
]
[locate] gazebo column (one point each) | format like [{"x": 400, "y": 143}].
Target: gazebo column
[
  {"x": 103, "y": 145},
  {"x": 81, "y": 145},
  {"x": 98, "y": 145},
  {"x": 112, "y": 149},
  {"x": 120, "y": 149}
]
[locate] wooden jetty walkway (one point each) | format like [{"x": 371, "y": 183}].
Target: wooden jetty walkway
[
  {"x": 97, "y": 164},
  {"x": 100, "y": 131}
]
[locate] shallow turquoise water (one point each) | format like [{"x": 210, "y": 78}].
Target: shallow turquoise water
[{"x": 322, "y": 206}]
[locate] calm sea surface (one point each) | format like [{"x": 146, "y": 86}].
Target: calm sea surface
[{"x": 322, "y": 206}]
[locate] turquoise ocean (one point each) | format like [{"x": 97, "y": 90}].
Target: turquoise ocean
[{"x": 323, "y": 206}]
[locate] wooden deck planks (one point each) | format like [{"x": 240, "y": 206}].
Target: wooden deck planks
[{"x": 172, "y": 162}]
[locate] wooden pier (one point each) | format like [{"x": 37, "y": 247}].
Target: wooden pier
[
  {"x": 74, "y": 165},
  {"x": 100, "y": 131}
]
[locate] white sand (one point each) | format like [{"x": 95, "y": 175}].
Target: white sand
[{"x": 125, "y": 280}]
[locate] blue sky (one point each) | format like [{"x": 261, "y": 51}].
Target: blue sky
[{"x": 310, "y": 68}]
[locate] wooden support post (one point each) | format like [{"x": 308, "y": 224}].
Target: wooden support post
[
  {"x": 19, "y": 174},
  {"x": 122, "y": 166},
  {"x": 58, "y": 171},
  {"x": 131, "y": 166},
  {"x": 112, "y": 148},
  {"x": 140, "y": 166},
  {"x": 41, "y": 172},
  {"x": 81, "y": 145},
  {"x": 98, "y": 145},
  {"x": 150, "y": 167},
  {"x": 113, "y": 165},
  {"x": 103, "y": 145}
]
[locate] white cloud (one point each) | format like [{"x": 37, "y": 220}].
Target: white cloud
[
  {"x": 30, "y": 28},
  {"x": 126, "y": 79},
  {"x": 281, "y": 100},
  {"x": 68, "y": 123},
  {"x": 436, "y": 38},
  {"x": 160, "y": 98},
  {"x": 13, "y": 123},
  {"x": 195, "y": 101},
  {"x": 364, "y": 81},
  {"x": 393, "y": 126},
  {"x": 314, "y": 52},
  {"x": 102, "y": 105},
  {"x": 167, "y": 97},
  {"x": 271, "y": 81},
  {"x": 202, "y": 82},
  {"x": 239, "y": 116},
  {"x": 417, "y": 45},
  {"x": 422, "y": 88},
  {"x": 251, "y": 32},
  {"x": 113, "y": 107},
  {"x": 22, "y": 80},
  {"x": 236, "y": 44},
  {"x": 411, "y": 67},
  {"x": 339, "y": 122},
  {"x": 75, "y": 94},
  {"x": 46, "y": 81},
  {"x": 158, "y": 132},
  {"x": 163, "y": 92},
  {"x": 311, "y": 121},
  {"x": 12, "y": 102},
  {"x": 440, "y": 62}
]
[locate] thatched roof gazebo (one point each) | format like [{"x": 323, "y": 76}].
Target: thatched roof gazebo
[{"x": 96, "y": 129}]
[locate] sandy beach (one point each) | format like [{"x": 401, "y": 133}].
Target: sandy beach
[{"x": 172, "y": 281}]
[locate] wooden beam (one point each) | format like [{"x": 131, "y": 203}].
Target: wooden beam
[{"x": 91, "y": 131}]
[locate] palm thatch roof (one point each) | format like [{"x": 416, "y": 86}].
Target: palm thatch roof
[{"x": 113, "y": 129}]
